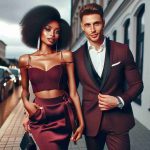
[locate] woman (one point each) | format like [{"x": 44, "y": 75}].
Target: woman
[{"x": 49, "y": 71}]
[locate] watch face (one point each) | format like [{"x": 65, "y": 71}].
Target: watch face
[{"x": 120, "y": 105}]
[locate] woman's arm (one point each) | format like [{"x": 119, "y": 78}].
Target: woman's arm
[
  {"x": 23, "y": 62},
  {"x": 68, "y": 58},
  {"x": 23, "y": 65}
]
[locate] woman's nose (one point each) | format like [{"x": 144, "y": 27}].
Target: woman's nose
[{"x": 51, "y": 33}]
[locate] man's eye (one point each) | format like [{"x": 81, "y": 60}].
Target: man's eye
[
  {"x": 97, "y": 23},
  {"x": 87, "y": 25}
]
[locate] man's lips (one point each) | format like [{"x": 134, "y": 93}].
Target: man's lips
[{"x": 94, "y": 35}]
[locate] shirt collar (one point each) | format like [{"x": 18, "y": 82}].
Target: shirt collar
[{"x": 101, "y": 48}]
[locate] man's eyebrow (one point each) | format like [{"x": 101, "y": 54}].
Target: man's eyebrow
[
  {"x": 87, "y": 24},
  {"x": 97, "y": 21}
]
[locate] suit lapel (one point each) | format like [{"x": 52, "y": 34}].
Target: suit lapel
[
  {"x": 99, "y": 82},
  {"x": 107, "y": 65},
  {"x": 90, "y": 68}
]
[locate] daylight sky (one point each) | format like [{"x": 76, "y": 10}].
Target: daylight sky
[{"x": 12, "y": 11}]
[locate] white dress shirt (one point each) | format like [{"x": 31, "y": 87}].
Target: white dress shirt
[{"x": 97, "y": 56}]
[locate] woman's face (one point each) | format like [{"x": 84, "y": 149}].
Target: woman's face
[{"x": 50, "y": 33}]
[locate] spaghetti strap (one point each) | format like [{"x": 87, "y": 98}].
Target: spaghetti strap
[
  {"x": 29, "y": 60},
  {"x": 62, "y": 58}
]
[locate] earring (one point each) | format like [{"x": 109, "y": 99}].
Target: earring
[
  {"x": 56, "y": 48},
  {"x": 38, "y": 44}
]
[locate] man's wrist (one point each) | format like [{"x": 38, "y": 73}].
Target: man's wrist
[{"x": 120, "y": 102}]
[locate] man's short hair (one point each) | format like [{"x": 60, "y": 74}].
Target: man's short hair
[{"x": 91, "y": 8}]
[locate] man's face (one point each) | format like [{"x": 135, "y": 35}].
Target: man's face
[{"x": 93, "y": 26}]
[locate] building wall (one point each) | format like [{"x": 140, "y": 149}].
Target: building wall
[
  {"x": 114, "y": 21},
  {"x": 2, "y": 49},
  {"x": 116, "y": 12}
]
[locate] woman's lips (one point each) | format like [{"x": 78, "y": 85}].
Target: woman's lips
[{"x": 50, "y": 40}]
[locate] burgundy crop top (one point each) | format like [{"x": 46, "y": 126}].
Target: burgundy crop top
[{"x": 54, "y": 78}]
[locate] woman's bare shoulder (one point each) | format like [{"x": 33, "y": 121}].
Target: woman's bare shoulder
[
  {"x": 23, "y": 60},
  {"x": 67, "y": 55}
]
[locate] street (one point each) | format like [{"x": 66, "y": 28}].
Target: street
[{"x": 7, "y": 105}]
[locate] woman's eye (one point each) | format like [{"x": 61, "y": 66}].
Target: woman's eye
[
  {"x": 57, "y": 32},
  {"x": 47, "y": 29}
]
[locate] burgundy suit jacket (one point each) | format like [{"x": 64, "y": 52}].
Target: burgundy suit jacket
[{"x": 119, "y": 70}]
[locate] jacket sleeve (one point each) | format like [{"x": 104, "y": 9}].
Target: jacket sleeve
[
  {"x": 75, "y": 70},
  {"x": 133, "y": 78}
]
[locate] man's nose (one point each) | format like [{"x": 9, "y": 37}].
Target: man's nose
[{"x": 92, "y": 28}]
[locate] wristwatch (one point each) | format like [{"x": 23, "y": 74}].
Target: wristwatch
[{"x": 120, "y": 104}]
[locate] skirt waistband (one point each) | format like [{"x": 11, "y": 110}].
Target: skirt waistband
[{"x": 50, "y": 101}]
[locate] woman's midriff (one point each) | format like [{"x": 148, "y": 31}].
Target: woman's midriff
[{"x": 49, "y": 93}]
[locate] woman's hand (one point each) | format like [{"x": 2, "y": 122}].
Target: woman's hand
[
  {"x": 78, "y": 134},
  {"x": 31, "y": 107},
  {"x": 25, "y": 123}
]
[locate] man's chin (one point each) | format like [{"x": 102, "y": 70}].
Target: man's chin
[{"x": 94, "y": 39}]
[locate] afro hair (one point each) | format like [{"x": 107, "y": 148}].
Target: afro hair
[
  {"x": 33, "y": 22},
  {"x": 65, "y": 35}
]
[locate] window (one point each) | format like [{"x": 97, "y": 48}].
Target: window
[
  {"x": 126, "y": 31},
  {"x": 114, "y": 35},
  {"x": 88, "y": 1},
  {"x": 140, "y": 39},
  {"x": 94, "y": 1},
  {"x": 140, "y": 42},
  {"x": 108, "y": 2},
  {"x": 1, "y": 73},
  {"x": 82, "y": 3}
]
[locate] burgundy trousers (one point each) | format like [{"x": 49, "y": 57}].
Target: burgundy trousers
[{"x": 106, "y": 135}]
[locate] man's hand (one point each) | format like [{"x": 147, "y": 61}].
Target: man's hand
[
  {"x": 107, "y": 102},
  {"x": 26, "y": 124}
]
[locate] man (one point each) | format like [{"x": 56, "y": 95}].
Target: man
[{"x": 103, "y": 68}]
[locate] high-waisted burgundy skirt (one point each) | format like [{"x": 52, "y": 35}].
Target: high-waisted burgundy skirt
[{"x": 50, "y": 126}]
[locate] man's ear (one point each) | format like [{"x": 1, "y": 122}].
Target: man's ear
[
  {"x": 82, "y": 27},
  {"x": 103, "y": 23}
]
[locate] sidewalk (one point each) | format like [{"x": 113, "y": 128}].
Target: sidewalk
[{"x": 12, "y": 131}]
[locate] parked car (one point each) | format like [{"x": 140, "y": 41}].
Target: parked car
[
  {"x": 7, "y": 81},
  {"x": 17, "y": 75}
]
